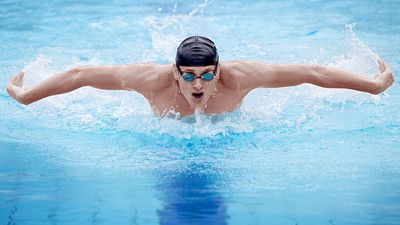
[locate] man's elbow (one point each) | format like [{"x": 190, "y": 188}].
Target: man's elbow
[
  {"x": 76, "y": 71},
  {"x": 318, "y": 76},
  {"x": 77, "y": 77}
]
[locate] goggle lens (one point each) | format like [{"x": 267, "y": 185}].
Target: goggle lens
[
  {"x": 207, "y": 76},
  {"x": 190, "y": 77}
]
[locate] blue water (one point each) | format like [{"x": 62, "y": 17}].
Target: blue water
[{"x": 299, "y": 155}]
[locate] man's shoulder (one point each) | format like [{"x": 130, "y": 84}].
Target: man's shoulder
[
  {"x": 242, "y": 74},
  {"x": 148, "y": 76},
  {"x": 232, "y": 72},
  {"x": 235, "y": 68},
  {"x": 152, "y": 68},
  {"x": 160, "y": 75}
]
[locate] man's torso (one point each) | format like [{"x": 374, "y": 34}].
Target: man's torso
[{"x": 227, "y": 97}]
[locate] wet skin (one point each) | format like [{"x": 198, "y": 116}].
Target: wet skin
[{"x": 166, "y": 90}]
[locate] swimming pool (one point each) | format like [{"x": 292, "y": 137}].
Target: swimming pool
[{"x": 300, "y": 155}]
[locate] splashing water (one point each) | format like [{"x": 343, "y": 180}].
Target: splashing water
[
  {"x": 288, "y": 155},
  {"x": 93, "y": 109}
]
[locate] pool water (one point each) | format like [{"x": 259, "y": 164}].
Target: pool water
[{"x": 298, "y": 155}]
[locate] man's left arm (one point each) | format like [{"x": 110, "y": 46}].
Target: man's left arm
[{"x": 257, "y": 74}]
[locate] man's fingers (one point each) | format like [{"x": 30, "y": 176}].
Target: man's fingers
[
  {"x": 18, "y": 79},
  {"x": 20, "y": 74},
  {"x": 382, "y": 65},
  {"x": 14, "y": 79}
]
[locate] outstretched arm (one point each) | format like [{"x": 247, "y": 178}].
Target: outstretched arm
[
  {"x": 134, "y": 77},
  {"x": 257, "y": 74}
]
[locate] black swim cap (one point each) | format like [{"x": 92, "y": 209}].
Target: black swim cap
[{"x": 196, "y": 51}]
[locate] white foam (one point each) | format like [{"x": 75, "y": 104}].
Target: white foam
[
  {"x": 268, "y": 105},
  {"x": 88, "y": 108},
  {"x": 167, "y": 31}
]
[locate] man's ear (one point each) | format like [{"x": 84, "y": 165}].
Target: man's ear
[{"x": 176, "y": 72}]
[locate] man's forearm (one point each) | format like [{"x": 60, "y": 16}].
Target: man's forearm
[
  {"x": 54, "y": 85},
  {"x": 336, "y": 78}
]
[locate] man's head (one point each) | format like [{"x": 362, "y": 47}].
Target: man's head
[{"x": 197, "y": 69}]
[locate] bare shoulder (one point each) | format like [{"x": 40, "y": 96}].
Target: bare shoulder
[
  {"x": 235, "y": 74},
  {"x": 147, "y": 76},
  {"x": 230, "y": 72},
  {"x": 148, "y": 70},
  {"x": 242, "y": 67}
]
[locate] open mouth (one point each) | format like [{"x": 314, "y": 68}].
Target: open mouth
[{"x": 197, "y": 95}]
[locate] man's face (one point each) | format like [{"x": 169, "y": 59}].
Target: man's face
[{"x": 198, "y": 91}]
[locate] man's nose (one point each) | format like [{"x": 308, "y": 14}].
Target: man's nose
[{"x": 197, "y": 83}]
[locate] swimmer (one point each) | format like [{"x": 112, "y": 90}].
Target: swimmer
[{"x": 197, "y": 80}]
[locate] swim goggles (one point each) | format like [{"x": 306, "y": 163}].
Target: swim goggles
[{"x": 190, "y": 77}]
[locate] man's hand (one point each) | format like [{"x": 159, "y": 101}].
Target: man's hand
[
  {"x": 385, "y": 79},
  {"x": 18, "y": 79},
  {"x": 14, "y": 87}
]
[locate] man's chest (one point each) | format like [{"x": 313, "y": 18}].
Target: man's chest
[{"x": 174, "y": 102}]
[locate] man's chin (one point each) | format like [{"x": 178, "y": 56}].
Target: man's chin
[{"x": 198, "y": 103}]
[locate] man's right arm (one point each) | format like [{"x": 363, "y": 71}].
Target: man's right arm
[{"x": 134, "y": 77}]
